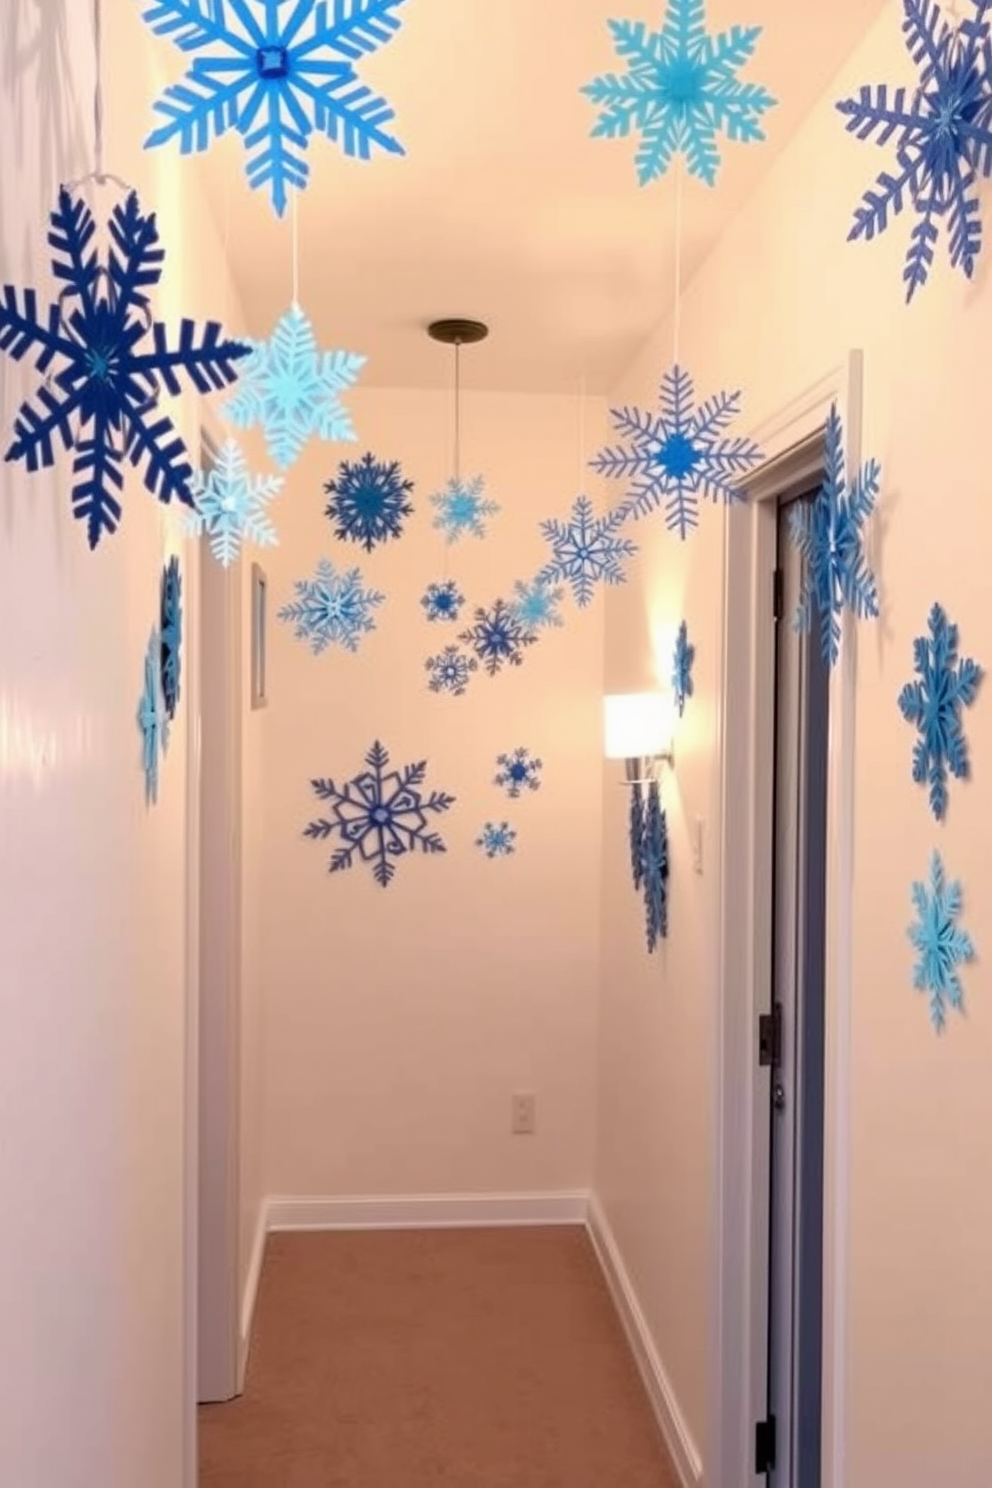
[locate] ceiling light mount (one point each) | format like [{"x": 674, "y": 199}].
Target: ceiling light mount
[{"x": 457, "y": 332}]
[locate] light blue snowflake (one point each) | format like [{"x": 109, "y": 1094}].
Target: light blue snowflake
[
  {"x": 380, "y": 814},
  {"x": 676, "y": 455},
  {"x": 655, "y": 869},
  {"x": 497, "y": 840},
  {"x": 933, "y": 705},
  {"x": 171, "y": 634},
  {"x": 682, "y": 660},
  {"x": 497, "y": 638},
  {"x": 536, "y": 605},
  {"x": 291, "y": 390},
  {"x": 450, "y": 671},
  {"x": 518, "y": 771},
  {"x": 828, "y": 534},
  {"x": 332, "y": 609},
  {"x": 941, "y": 945},
  {"x": 276, "y": 71},
  {"x": 153, "y": 721},
  {"x": 230, "y": 505},
  {"x": 681, "y": 87},
  {"x": 462, "y": 507},
  {"x": 586, "y": 551},
  {"x": 443, "y": 601},
  {"x": 368, "y": 501}
]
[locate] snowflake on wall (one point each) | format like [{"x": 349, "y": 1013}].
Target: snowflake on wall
[
  {"x": 291, "y": 390},
  {"x": 933, "y": 705},
  {"x": 171, "y": 635},
  {"x": 828, "y": 533},
  {"x": 368, "y": 501},
  {"x": 680, "y": 89},
  {"x": 655, "y": 870},
  {"x": 678, "y": 454},
  {"x": 153, "y": 721},
  {"x": 113, "y": 363},
  {"x": 462, "y": 508},
  {"x": 682, "y": 660},
  {"x": 380, "y": 814},
  {"x": 586, "y": 551},
  {"x": 943, "y": 134},
  {"x": 443, "y": 601},
  {"x": 941, "y": 945},
  {"x": 537, "y": 605},
  {"x": 497, "y": 637},
  {"x": 276, "y": 72},
  {"x": 230, "y": 505},
  {"x": 332, "y": 609},
  {"x": 450, "y": 671},
  {"x": 636, "y": 833},
  {"x": 497, "y": 840},
  {"x": 517, "y": 772}
]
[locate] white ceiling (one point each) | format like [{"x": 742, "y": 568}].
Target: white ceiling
[{"x": 503, "y": 208}]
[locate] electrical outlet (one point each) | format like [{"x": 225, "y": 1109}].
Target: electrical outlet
[{"x": 523, "y": 1114}]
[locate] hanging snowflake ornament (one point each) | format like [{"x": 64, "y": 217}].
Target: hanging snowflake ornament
[
  {"x": 933, "y": 705},
  {"x": 518, "y": 771},
  {"x": 655, "y": 869},
  {"x": 682, "y": 659},
  {"x": 230, "y": 505},
  {"x": 828, "y": 531},
  {"x": 106, "y": 362},
  {"x": 497, "y": 840},
  {"x": 332, "y": 609},
  {"x": 497, "y": 638},
  {"x": 450, "y": 671},
  {"x": 379, "y": 815},
  {"x": 678, "y": 454},
  {"x": 291, "y": 390},
  {"x": 943, "y": 139},
  {"x": 586, "y": 551},
  {"x": 368, "y": 501},
  {"x": 171, "y": 635},
  {"x": 681, "y": 88},
  {"x": 939, "y": 942},
  {"x": 537, "y": 605},
  {"x": 462, "y": 508},
  {"x": 636, "y": 833},
  {"x": 153, "y": 721},
  {"x": 277, "y": 71},
  {"x": 443, "y": 601}
]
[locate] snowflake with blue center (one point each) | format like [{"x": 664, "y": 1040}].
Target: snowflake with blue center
[
  {"x": 101, "y": 390},
  {"x": 332, "y": 609},
  {"x": 943, "y": 132},
  {"x": 586, "y": 551},
  {"x": 941, "y": 944},
  {"x": 497, "y": 637},
  {"x": 291, "y": 390},
  {"x": 537, "y": 605},
  {"x": 443, "y": 601},
  {"x": 462, "y": 508},
  {"x": 829, "y": 534},
  {"x": 276, "y": 71},
  {"x": 933, "y": 705},
  {"x": 368, "y": 501},
  {"x": 230, "y": 505},
  {"x": 497, "y": 840},
  {"x": 654, "y": 871},
  {"x": 682, "y": 659},
  {"x": 379, "y": 815},
  {"x": 171, "y": 637},
  {"x": 153, "y": 721},
  {"x": 518, "y": 771},
  {"x": 680, "y": 89},
  {"x": 450, "y": 671},
  {"x": 678, "y": 454}
]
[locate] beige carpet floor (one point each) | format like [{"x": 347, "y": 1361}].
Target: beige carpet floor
[{"x": 435, "y": 1359}]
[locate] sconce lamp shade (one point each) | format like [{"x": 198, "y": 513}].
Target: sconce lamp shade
[{"x": 638, "y": 725}]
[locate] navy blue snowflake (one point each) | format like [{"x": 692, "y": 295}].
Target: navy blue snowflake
[
  {"x": 636, "y": 833},
  {"x": 682, "y": 660},
  {"x": 933, "y": 705},
  {"x": 103, "y": 401},
  {"x": 828, "y": 533},
  {"x": 332, "y": 609},
  {"x": 368, "y": 500},
  {"x": 443, "y": 601},
  {"x": 379, "y": 815},
  {"x": 276, "y": 71},
  {"x": 943, "y": 139},
  {"x": 678, "y": 455},
  {"x": 497, "y": 637},
  {"x": 586, "y": 551},
  {"x": 655, "y": 869},
  {"x": 537, "y": 605},
  {"x": 518, "y": 771},
  {"x": 450, "y": 671},
  {"x": 153, "y": 721},
  {"x": 497, "y": 840},
  {"x": 171, "y": 634},
  {"x": 941, "y": 945}
]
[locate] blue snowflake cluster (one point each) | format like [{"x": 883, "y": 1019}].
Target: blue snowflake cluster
[
  {"x": 369, "y": 500},
  {"x": 153, "y": 720},
  {"x": 654, "y": 868},
  {"x": 332, "y": 609},
  {"x": 171, "y": 635}
]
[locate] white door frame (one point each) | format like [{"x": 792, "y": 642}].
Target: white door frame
[{"x": 739, "y": 1281}]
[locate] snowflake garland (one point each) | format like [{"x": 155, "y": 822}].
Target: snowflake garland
[
  {"x": 933, "y": 705},
  {"x": 153, "y": 720},
  {"x": 682, "y": 659},
  {"x": 537, "y": 605},
  {"x": 230, "y": 505},
  {"x": 332, "y": 609},
  {"x": 586, "y": 551},
  {"x": 442, "y": 601},
  {"x": 654, "y": 870},
  {"x": 462, "y": 508},
  {"x": 497, "y": 637},
  {"x": 450, "y": 671},
  {"x": 497, "y": 840},
  {"x": 941, "y": 945},
  {"x": 368, "y": 501},
  {"x": 636, "y": 833},
  {"x": 171, "y": 635},
  {"x": 518, "y": 771}
]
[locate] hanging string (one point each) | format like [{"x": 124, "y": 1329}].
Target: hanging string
[
  {"x": 295, "y": 227},
  {"x": 98, "y": 171},
  {"x": 580, "y": 484},
  {"x": 458, "y": 394},
  {"x": 677, "y": 310}
]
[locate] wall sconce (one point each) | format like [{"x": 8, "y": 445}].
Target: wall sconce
[{"x": 638, "y": 729}]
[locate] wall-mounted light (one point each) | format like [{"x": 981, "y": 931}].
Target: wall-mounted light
[{"x": 638, "y": 730}]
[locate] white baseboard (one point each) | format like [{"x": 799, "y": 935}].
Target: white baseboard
[
  {"x": 681, "y": 1446},
  {"x": 428, "y": 1211},
  {"x": 251, "y": 1289}
]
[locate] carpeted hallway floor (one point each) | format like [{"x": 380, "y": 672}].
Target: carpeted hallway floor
[{"x": 435, "y": 1359}]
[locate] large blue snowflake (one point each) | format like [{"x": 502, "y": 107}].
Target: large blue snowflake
[
  {"x": 462, "y": 508},
  {"x": 153, "y": 720},
  {"x": 828, "y": 533},
  {"x": 276, "y": 71},
  {"x": 943, "y": 134},
  {"x": 586, "y": 551},
  {"x": 380, "y": 814},
  {"x": 518, "y": 771},
  {"x": 941, "y": 945},
  {"x": 681, "y": 88},
  {"x": 171, "y": 638},
  {"x": 450, "y": 671},
  {"x": 230, "y": 505},
  {"x": 368, "y": 500},
  {"x": 332, "y": 609},
  {"x": 678, "y": 454},
  {"x": 103, "y": 400},
  {"x": 497, "y": 637},
  {"x": 497, "y": 840},
  {"x": 682, "y": 659},
  {"x": 537, "y": 605},
  {"x": 933, "y": 705},
  {"x": 443, "y": 601},
  {"x": 655, "y": 868},
  {"x": 291, "y": 390}
]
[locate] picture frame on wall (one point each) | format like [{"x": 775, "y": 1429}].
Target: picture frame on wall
[{"x": 259, "y": 622}]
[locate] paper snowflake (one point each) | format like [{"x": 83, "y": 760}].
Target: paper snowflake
[
  {"x": 680, "y": 89},
  {"x": 943, "y": 139},
  {"x": 153, "y": 721},
  {"x": 462, "y": 508},
  {"x": 106, "y": 363},
  {"x": 230, "y": 505},
  {"x": 517, "y": 772},
  {"x": 536, "y": 605},
  {"x": 497, "y": 637},
  {"x": 276, "y": 71},
  {"x": 332, "y": 609},
  {"x": 443, "y": 601},
  {"x": 291, "y": 390},
  {"x": 380, "y": 814},
  {"x": 933, "y": 705},
  {"x": 171, "y": 635},
  {"x": 636, "y": 833},
  {"x": 586, "y": 551},
  {"x": 368, "y": 501},
  {"x": 942, "y": 947},
  {"x": 677, "y": 455},
  {"x": 655, "y": 868},
  {"x": 450, "y": 671},
  {"x": 828, "y": 533},
  {"x": 682, "y": 660},
  {"x": 497, "y": 840}
]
